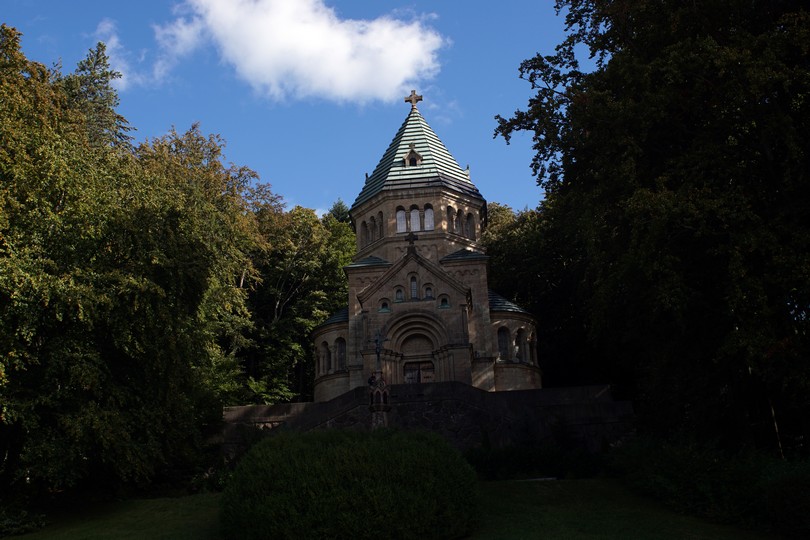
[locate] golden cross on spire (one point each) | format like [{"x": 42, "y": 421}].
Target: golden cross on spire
[{"x": 414, "y": 98}]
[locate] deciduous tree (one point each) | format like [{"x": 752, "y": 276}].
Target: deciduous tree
[
  {"x": 302, "y": 282},
  {"x": 677, "y": 181},
  {"x": 121, "y": 290}
]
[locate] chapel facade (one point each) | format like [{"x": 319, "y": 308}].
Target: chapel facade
[{"x": 419, "y": 309}]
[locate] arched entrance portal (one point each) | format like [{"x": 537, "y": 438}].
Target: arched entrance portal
[
  {"x": 416, "y": 337},
  {"x": 417, "y": 350}
]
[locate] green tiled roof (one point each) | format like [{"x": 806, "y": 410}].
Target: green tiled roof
[
  {"x": 499, "y": 303},
  {"x": 438, "y": 167},
  {"x": 341, "y": 315},
  {"x": 464, "y": 254},
  {"x": 369, "y": 261}
]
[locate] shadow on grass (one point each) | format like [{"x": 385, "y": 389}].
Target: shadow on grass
[
  {"x": 566, "y": 509},
  {"x": 587, "y": 509},
  {"x": 194, "y": 517}
]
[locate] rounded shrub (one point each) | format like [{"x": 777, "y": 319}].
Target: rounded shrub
[{"x": 350, "y": 484}]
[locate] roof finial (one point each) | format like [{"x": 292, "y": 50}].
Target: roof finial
[{"x": 414, "y": 98}]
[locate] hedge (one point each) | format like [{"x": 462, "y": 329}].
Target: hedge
[{"x": 350, "y": 484}]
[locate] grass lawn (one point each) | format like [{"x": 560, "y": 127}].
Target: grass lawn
[
  {"x": 569, "y": 509},
  {"x": 194, "y": 517},
  {"x": 587, "y": 509}
]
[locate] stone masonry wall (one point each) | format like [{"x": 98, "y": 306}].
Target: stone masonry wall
[{"x": 582, "y": 417}]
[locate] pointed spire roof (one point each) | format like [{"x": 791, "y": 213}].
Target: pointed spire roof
[{"x": 416, "y": 158}]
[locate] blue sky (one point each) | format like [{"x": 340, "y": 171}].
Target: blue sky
[{"x": 309, "y": 93}]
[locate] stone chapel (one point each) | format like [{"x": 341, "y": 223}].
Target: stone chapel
[{"x": 418, "y": 295}]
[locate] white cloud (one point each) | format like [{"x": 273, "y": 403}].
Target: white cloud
[
  {"x": 176, "y": 40},
  {"x": 107, "y": 32},
  {"x": 293, "y": 49}
]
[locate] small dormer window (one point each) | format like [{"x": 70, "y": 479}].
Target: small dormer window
[{"x": 412, "y": 158}]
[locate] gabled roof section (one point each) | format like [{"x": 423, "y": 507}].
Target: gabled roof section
[
  {"x": 432, "y": 269},
  {"x": 434, "y": 166}
]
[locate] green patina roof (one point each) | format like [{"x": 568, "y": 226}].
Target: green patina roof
[
  {"x": 499, "y": 303},
  {"x": 369, "y": 261},
  {"x": 438, "y": 168},
  {"x": 341, "y": 315},
  {"x": 464, "y": 255}
]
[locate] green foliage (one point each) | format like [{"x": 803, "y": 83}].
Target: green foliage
[
  {"x": 675, "y": 232},
  {"x": 120, "y": 305},
  {"x": 346, "y": 484},
  {"x": 90, "y": 91},
  {"x": 16, "y": 522},
  {"x": 339, "y": 211},
  {"x": 744, "y": 488},
  {"x": 300, "y": 267},
  {"x": 535, "y": 268},
  {"x": 141, "y": 287}
]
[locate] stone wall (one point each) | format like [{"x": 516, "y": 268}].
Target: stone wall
[{"x": 581, "y": 417}]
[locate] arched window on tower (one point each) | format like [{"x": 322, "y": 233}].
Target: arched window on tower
[
  {"x": 372, "y": 229},
  {"x": 415, "y": 218},
  {"x": 469, "y": 228},
  {"x": 520, "y": 346},
  {"x": 459, "y": 227},
  {"x": 381, "y": 225},
  {"x": 401, "y": 225},
  {"x": 340, "y": 349},
  {"x": 363, "y": 234},
  {"x": 428, "y": 217},
  {"x": 451, "y": 219},
  {"x": 503, "y": 343},
  {"x": 326, "y": 357},
  {"x": 414, "y": 288}
]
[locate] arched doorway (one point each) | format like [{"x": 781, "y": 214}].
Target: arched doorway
[
  {"x": 415, "y": 337},
  {"x": 417, "y": 350}
]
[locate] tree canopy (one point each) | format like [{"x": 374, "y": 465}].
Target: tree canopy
[
  {"x": 141, "y": 286},
  {"x": 675, "y": 222}
]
